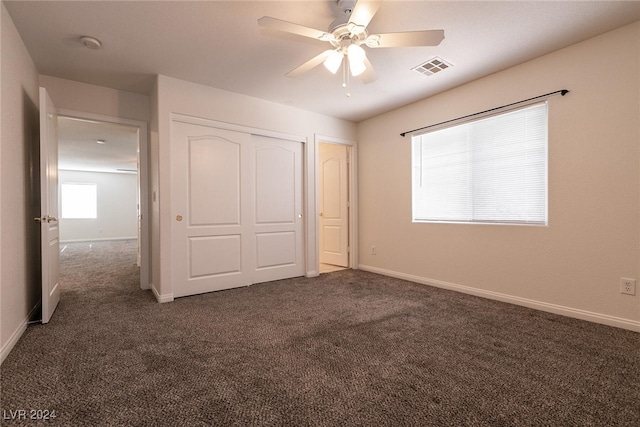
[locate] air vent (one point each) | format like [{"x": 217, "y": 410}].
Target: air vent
[{"x": 432, "y": 66}]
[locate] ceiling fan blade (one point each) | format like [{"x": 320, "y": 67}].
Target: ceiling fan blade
[
  {"x": 289, "y": 27},
  {"x": 310, "y": 64},
  {"x": 364, "y": 11},
  {"x": 409, "y": 38},
  {"x": 369, "y": 75}
]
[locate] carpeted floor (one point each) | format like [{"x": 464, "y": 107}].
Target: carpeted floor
[{"x": 346, "y": 348}]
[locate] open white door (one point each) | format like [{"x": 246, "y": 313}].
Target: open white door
[
  {"x": 139, "y": 208},
  {"x": 49, "y": 206},
  {"x": 333, "y": 198}
]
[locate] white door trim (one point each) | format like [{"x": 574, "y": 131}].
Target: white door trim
[
  {"x": 353, "y": 196},
  {"x": 143, "y": 141}
]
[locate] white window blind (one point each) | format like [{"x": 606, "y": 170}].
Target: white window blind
[
  {"x": 488, "y": 170},
  {"x": 79, "y": 201}
]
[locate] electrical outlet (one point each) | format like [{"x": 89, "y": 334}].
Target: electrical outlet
[
  {"x": 373, "y": 250},
  {"x": 627, "y": 286}
]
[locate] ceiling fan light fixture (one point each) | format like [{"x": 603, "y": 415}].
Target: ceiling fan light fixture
[
  {"x": 356, "y": 67},
  {"x": 333, "y": 61},
  {"x": 356, "y": 53},
  {"x": 357, "y": 56}
]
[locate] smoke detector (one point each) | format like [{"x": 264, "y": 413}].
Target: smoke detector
[
  {"x": 432, "y": 66},
  {"x": 90, "y": 42}
]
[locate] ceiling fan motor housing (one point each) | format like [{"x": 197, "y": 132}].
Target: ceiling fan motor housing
[
  {"x": 343, "y": 37},
  {"x": 342, "y": 10}
]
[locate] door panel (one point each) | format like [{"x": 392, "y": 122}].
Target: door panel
[
  {"x": 333, "y": 201},
  {"x": 332, "y": 239},
  {"x": 275, "y": 249},
  {"x": 50, "y": 232},
  {"x": 236, "y": 208},
  {"x": 275, "y": 184},
  {"x": 214, "y": 181},
  {"x": 215, "y": 255}
]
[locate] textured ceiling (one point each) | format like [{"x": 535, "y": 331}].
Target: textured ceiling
[{"x": 219, "y": 44}]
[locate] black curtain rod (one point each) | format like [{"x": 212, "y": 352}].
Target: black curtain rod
[{"x": 562, "y": 92}]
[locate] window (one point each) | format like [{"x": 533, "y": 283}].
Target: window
[
  {"x": 79, "y": 200},
  {"x": 492, "y": 170}
]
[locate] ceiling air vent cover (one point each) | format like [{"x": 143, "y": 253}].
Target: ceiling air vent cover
[{"x": 432, "y": 66}]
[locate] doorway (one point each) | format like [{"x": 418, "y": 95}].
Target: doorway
[
  {"x": 103, "y": 183},
  {"x": 334, "y": 206}
]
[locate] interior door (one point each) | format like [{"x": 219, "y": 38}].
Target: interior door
[
  {"x": 48, "y": 219},
  {"x": 333, "y": 200}
]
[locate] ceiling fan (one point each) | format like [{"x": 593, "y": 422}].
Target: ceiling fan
[{"x": 347, "y": 36}]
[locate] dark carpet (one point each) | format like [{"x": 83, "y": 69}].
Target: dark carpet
[{"x": 346, "y": 348}]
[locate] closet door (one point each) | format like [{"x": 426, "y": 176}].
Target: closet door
[
  {"x": 236, "y": 209},
  {"x": 277, "y": 203},
  {"x": 211, "y": 242}
]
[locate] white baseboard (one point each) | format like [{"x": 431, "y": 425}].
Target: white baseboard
[
  {"x": 103, "y": 239},
  {"x": 312, "y": 274},
  {"x": 576, "y": 313},
  {"x": 8, "y": 346},
  {"x": 161, "y": 298}
]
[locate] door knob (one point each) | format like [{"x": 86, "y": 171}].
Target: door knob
[
  {"x": 321, "y": 214},
  {"x": 47, "y": 218}
]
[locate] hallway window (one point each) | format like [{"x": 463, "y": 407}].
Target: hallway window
[{"x": 79, "y": 201}]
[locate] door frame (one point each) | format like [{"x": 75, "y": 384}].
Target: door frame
[
  {"x": 143, "y": 174},
  {"x": 352, "y": 173}
]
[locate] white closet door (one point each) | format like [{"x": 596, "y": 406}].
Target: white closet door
[
  {"x": 211, "y": 244},
  {"x": 236, "y": 207},
  {"x": 277, "y": 203}
]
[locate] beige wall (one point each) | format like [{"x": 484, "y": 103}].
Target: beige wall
[
  {"x": 177, "y": 96},
  {"x": 574, "y": 265},
  {"x": 117, "y": 207},
  {"x": 20, "y": 238},
  {"x": 87, "y": 98}
]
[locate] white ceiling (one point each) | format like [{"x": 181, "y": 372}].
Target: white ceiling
[
  {"x": 219, "y": 44},
  {"x": 78, "y": 148}
]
